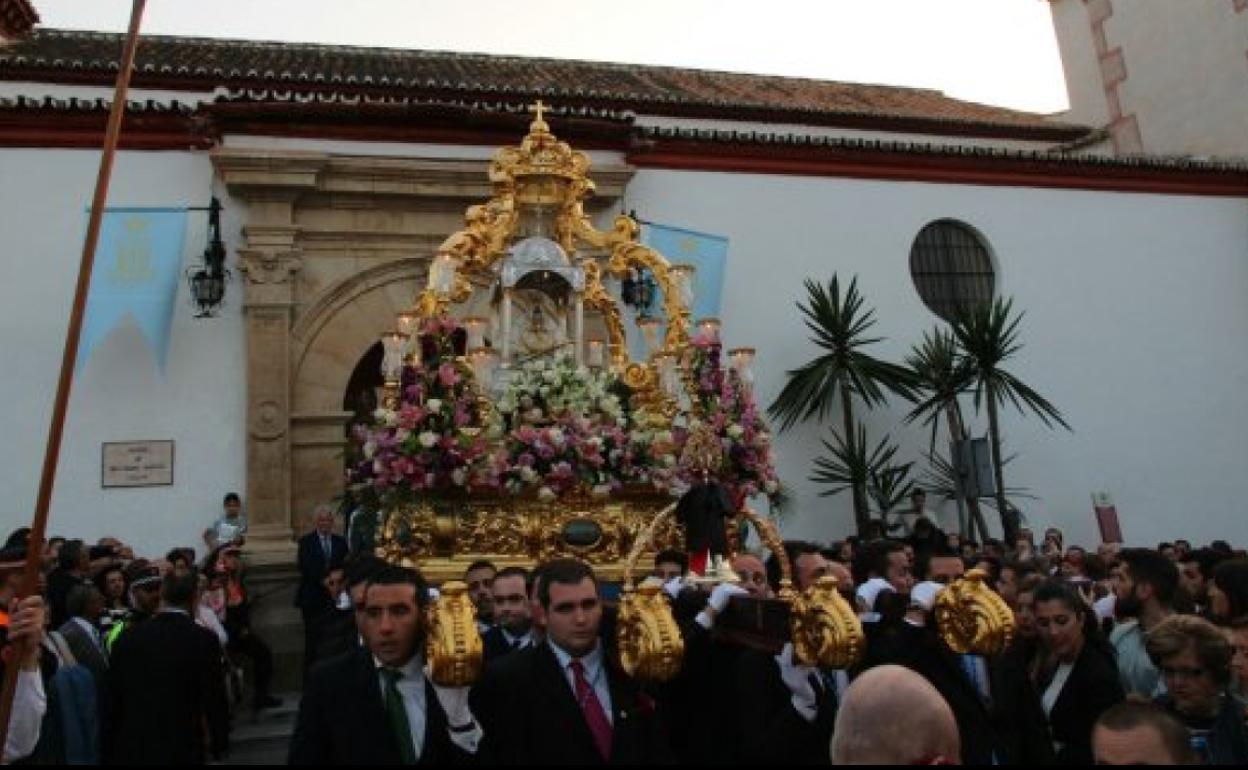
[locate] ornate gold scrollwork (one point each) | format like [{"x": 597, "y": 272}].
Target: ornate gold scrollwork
[
  {"x": 651, "y": 648},
  {"x": 453, "y": 646},
  {"x": 406, "y": 535},
  {"x": 972, "y": 618},
  {"x": 650, "y": 644},
  {"x": 596, "y": 297},
  {"x": 825, "y": 629}
]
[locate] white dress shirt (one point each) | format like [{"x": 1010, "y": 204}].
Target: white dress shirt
[
  {"x": 595, "y": 673},
  {"x": 525, "y": 639},
  {"x": 29, "y": 705},
  {"x": 412, "y": 688}
]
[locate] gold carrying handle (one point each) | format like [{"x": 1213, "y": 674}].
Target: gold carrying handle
[
  {"x": 824, "y": 628},
  {"x": 972, "y": 618},
  {"x": 642, "y": 543},
  {"x": 649, "y": 641},
  {"x": 453, "y": 646}
]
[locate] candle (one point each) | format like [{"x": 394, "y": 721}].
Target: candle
[
  {"x": 742, "y": 362},
  {"x": 505, "y": 333},
  {"x": 406, "y": 322},
  {"x": 669, "y": 381},
  {"x": 596, "y": 353},
  {"x": 442, "y": 273},
  {"x": 578, "y": 330},
  {"x": 709, "y": 328},
  {"x": 650, "y": 332},
  {"x": 475, "y": 326},
  {"x": 392, "y": 344},
  {"x": 682, "y": 281},
  {"x": 483, "y": 362}
]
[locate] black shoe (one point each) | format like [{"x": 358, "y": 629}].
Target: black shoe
[{"x": 267, "y": 702}]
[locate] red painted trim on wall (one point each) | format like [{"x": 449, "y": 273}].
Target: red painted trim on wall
[
  {"x": 57, "y": 129},
  {"x": 984, "y": 170}
]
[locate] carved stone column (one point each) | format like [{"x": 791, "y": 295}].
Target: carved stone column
[{"x": 269, "y": 264}]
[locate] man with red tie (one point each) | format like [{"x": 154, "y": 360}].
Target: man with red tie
[{"x": 566, "y": 701}]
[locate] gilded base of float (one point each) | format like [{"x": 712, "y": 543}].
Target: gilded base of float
[{"x": 442, "y": 536}]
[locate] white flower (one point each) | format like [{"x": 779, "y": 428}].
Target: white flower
[
  {"x": 370, "y": 449},
  {"x": 664, "y": 437},
  {"x": 401, "y": 435},
  {"x": 772, "y": 487},
  {"x": 601, "y": 490},
  {"x": 428, "y": 439},
  {"x": 434, "y": 404},
  {"x": 669, "y": 460},
  {"x": 528, "y": 475},
  {"x": 551, "y": 376},
  {"x": 735, "y": 431},
  {"x": 459, "y": 476},
  {"x": 545, "y": 494},
  {"x": 556, "y": 437}
]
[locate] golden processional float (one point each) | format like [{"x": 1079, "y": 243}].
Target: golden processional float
[{"x": 517, "y": 426}]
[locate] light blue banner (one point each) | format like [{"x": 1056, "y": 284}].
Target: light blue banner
[
  {"x": 707, "y": 253},
  {"x": 137, "y": 265}
]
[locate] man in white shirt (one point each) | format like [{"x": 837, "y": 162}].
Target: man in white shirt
[
  {"x": 232, "y": 526},
  {"x": 376, "y": 705}
]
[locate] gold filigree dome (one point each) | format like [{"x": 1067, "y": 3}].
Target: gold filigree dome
[{"x": 542, "y": 168}]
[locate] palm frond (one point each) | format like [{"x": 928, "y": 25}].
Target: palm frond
[{"x": 839, "y": 323}]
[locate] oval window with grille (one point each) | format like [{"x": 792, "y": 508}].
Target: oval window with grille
[{"x": 951, "y": 268}]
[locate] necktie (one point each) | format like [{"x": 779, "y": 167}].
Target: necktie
[
  {"x": 591, "y": 707},
  {"x": 397, "y": 715},
  {"x": 325, "y": 547}
]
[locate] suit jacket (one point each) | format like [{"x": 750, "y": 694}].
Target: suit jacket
[
  {"x": 769, "y": 728},
  {"x": 313, "y": 567},
  {"x": 1091, "y": 688},
  {"x": 166, "y": 682},
  {"x": 529, "y": 715},
  {"x": 1009, "y": 727},
  {"x": 495, "y": 644},
  {"x": 342, "y": 719}
]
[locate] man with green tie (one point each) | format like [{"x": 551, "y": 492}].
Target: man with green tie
[{"x": 375, "y": 705}]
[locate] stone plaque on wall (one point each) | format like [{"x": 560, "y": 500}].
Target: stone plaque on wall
[{"x": 137, "y": 464}]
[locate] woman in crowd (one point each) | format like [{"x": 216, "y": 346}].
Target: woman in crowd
[
  {"x": 1074, "y": 670},
  {"x": 1228, "y": 592},
  {"x": 1194, "y": 658}
]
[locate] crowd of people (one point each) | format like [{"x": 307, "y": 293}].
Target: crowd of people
[{"x": 1119, "y": 656}]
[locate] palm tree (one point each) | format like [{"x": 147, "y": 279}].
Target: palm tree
[
  {"x": 988, "y": 336},
  {"x": 852, "y": 464},
  {"x": 941, "y": 375},
  {"x": 839, "y": 325}
]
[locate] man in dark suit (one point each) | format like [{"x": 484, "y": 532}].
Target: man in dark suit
[
  {"x": 513, "y": 616},
  {"x": 85, "y": 605},
  {"x": 375, "y": 705},
  {"x": 998, "y": 712},
  {"x": 166, "y": 684},
  {"x": 564, "y": 702},
  {"x": 319, "y": 552}
]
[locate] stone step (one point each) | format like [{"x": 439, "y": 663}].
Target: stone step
[{"x": 263, "y": 738}]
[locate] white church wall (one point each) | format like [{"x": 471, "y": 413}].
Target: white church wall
[
  {"x": 1134, "y": 305},
  {"x": 120, "y": 394}
]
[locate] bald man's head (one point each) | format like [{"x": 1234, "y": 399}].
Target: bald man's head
[{"x": 876, "y": 703}]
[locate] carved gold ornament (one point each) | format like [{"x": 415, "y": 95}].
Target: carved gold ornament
[
  {"x": 649, "y": 641},
  {"x": 453, "y": 648},
  {"x": 825, "y": 629},
  {"x": 972, "y": 618}
]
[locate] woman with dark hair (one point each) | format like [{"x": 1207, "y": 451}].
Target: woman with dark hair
[
  {"x": 1228, "y": 593},
  {"x": 1194, "y": 658},
  {"x": 1074, "y": 670}
]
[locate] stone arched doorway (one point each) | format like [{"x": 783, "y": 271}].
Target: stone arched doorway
[{"x": 327, "y": 346}]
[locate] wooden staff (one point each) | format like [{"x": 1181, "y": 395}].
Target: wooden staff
[{"x": 34, "y": 549}]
